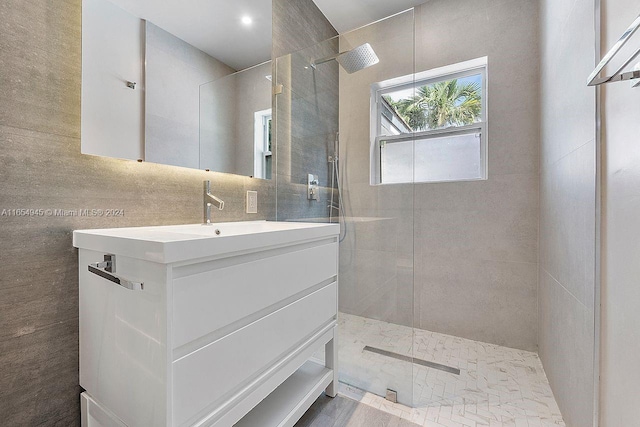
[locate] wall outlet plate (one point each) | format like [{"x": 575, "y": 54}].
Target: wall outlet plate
[{"x": 252, "y": 202}]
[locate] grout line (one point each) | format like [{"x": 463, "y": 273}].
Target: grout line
[
  {"x": 39, "y": 133},
  {"x": 548, "y": 165},
  {"x": 563, "y": 287}
]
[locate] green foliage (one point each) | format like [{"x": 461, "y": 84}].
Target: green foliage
[{"x": 442, "y": 104}]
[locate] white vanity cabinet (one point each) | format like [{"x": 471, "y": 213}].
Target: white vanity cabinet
[{"x": 219, "y": 330}]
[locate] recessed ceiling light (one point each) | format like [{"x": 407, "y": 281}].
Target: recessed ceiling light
[{"x": 246, "y": 20}]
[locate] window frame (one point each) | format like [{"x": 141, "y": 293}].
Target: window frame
[
  {"x": 450, "y": 72},
  {"x": 261, "y": 143}
]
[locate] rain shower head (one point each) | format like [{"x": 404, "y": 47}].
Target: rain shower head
[{"x": 352, "y": 60}]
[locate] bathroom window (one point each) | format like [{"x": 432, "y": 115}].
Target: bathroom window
[{"x": 431, "y": 126}]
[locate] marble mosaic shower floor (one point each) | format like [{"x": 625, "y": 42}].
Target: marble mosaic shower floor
[{"x": 497, "y": 386}]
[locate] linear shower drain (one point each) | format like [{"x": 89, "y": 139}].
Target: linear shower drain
[{"x": 404, "y": 358}]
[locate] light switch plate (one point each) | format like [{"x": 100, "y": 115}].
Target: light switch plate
[{"x": 252, "y": 202}]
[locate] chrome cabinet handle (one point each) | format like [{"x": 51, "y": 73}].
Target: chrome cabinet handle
[{"x": 106, "y": 270}]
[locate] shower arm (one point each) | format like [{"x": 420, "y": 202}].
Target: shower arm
[{"x": 327, "y": 59}]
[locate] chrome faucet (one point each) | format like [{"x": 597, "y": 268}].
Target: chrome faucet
[{"x": 208, "y": 199}]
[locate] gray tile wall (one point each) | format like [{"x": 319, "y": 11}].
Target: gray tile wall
[
  {"x": 297, "y": 25},
  {"x": 306, "y": 113},
  {"x": 42, "y": 168},
  {"x": 376, "y": 255},
  {"x": 567, "y": 206},
  {"x": 464, "y": 252},
  {"x": 476, "y": 242}
]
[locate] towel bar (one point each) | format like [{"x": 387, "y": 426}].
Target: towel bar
[
  {"x": 106, "y": 270},
  {"x": 594, "y": 80}
]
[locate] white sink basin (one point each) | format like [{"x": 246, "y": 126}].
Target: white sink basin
[{"x": 174, "y": 243}]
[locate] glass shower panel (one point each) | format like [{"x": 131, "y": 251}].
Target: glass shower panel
[
  {"x": 376, "y": 253},
  {"x": 323, "y": 116}
]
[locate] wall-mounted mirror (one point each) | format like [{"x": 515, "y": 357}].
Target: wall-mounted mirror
[
  {"x": 235, "y": 123},
  {"x": 179, "y": 83}
]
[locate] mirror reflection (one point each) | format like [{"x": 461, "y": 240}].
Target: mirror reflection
[
  {"x": 235, "y": 123},
  {"x": 179, "y": 83}
]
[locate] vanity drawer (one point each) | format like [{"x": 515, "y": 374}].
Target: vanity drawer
[
  {"x": 220, "y": 293},
  {"x": 203, "y": 379}
]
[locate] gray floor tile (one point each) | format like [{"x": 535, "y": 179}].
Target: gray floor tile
[{"x": 344, "y": 412}]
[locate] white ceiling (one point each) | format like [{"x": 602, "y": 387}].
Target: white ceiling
[
  {"x": 346, "y": 15},
  {"x": 213, "y": 26}
]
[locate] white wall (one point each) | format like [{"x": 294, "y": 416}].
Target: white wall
[
  {"x": 112, "y": 114},
  {"x": 620, "y": 331}
]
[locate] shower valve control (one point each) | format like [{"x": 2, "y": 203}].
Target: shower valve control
[{"x": 313, "y": 192}]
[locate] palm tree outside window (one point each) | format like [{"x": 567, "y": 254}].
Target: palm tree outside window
[{"x": 431, "y": 126}]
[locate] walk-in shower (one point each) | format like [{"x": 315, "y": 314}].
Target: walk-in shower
[{"x": 437, "y": 278}]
